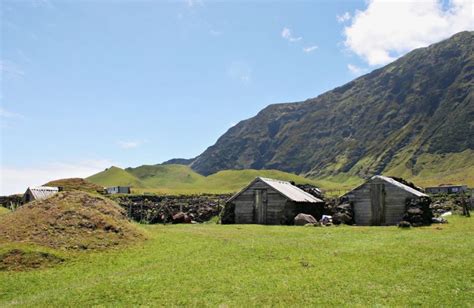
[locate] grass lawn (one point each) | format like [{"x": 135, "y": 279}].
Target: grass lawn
[{"x": 252, "y": 265}]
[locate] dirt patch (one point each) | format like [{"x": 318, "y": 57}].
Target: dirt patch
[
  {"x": 19, "y": 260},
  {"x": 70, "y": 220}
]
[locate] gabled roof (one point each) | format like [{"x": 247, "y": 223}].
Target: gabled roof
[
  {"x": 43, "y": 192},
  {"x": 400, "y": 185},
  {"x": 287, "y": 189}
]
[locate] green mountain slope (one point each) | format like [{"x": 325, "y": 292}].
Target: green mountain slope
[
  {"x": 180, "y": 179},
  {"x": 115, "y": 176},
  {"x": 413, "y": 117}
]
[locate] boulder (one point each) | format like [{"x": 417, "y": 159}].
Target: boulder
[
  {"x": 181, "y": 217},
  {"x": 303, "y": 219}
]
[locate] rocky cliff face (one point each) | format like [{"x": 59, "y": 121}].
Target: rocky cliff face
[{"x": 421, "y": 103}]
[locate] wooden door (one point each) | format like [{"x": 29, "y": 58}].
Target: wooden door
[
  {"x": 261, "y": 206},
  {"x": 377, "y": 200}
]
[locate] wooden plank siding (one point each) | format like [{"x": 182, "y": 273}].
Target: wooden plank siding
[
  {"x": 279, "y": 209},
  {"x": 393, "y": 203}
]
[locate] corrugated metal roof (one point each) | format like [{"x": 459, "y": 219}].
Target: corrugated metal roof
[
  {"x": 291, "y": 191},
  {"x": 287, "y": 189},
  {"x": 43, "y": 192},
  {"x": 401, "y": 185}
]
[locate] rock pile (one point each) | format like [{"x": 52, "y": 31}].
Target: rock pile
[
  {"x": 343, "y": 214},
  {"x": 310, "y": 189},
  {"x": 443, "y": 205},
  {"x": 418, "y": 212},
  {"x": 171, "y": 209}
]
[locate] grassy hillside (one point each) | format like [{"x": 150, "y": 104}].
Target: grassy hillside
[
  {"x": 115, "y": 176},
  {"x": 190, "y": 265},
  {"x": 180, "y": 179},
  {"x": 435, "y": 169}
]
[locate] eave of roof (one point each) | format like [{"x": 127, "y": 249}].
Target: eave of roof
[{"x": 285, "y": 188}]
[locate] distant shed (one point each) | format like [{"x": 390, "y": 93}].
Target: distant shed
[
  {"x": 273, "y": 202},
  {"x": 381, "y": 201},
  {"x": 39, "y": 193},
  {"x": 446, "y": 189},
  {"x": 117, "y": 190}
]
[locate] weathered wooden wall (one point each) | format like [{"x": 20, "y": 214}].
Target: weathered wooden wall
[
  {"x": 245, "y": 208},
  {"x": 394, "y": 199},
  {"x": 279, "y": 210}
]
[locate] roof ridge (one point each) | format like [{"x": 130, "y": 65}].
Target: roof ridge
[{"x": 400, "y": 184}]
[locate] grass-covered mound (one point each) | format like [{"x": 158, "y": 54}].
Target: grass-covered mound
[
  {"x": 20, "y": 260},
  {"x": 69, "y": 220},
  {"x": 76, "y": 184}
]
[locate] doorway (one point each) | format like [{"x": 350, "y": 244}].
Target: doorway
[
  {"x": 377, "y": 200},
  {"x": 261, "y": 206}
]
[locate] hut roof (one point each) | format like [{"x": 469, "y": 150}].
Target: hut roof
[
  {"x": 400, "y": 185},
  {"x": 43, "y": 192},
  {"x": 285, "y": 188}
]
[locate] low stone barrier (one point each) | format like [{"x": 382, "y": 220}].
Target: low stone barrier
[{"x": 154, "y": 209}]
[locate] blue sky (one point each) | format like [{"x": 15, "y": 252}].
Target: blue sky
[{"x": 88, "y": 84}]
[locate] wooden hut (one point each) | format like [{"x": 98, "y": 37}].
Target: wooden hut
[
  {"x": 381, "y": 201},
  {"x": 273, "y": 202},
  {"x": 446, "y": 189},
  {"x": 39, "y": 193},
  {"x": 117, "y": 190}
]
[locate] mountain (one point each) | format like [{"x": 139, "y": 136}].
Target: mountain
[
  {"x": 413, "y": 118},
  {"x": 181, "y": 179}
]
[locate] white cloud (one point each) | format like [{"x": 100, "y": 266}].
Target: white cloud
[
  {"x": 355, "y": 70},
  {"x": 16, "y": 180},
  {"x": 130, "y": 144},
  {"x": 310, "y": 48},
  {"x": 287, "y": 35},
  {"x": 10, "y": 68},
  {"x": 386, "y": 29},
  {"x": 8, "y": 114},
  {"x": 344, "y": 17}
]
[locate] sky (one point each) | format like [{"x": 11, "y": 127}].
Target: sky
[{"x": 89, "y": 84}]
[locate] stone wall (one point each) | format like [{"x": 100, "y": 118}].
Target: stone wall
[
  {"x": 11, "y": 202},
  {"x": 161, "y": 209}
]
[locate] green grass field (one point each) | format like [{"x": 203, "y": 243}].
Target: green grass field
[{"x": 252, "y": 265}]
